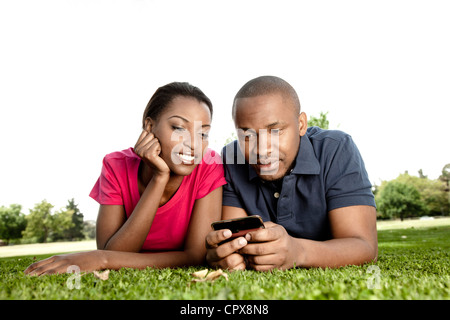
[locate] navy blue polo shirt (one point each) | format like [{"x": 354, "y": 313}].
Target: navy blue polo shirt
[{"x": 329, "y": 173}]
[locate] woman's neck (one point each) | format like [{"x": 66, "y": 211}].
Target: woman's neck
[{"x": 145, "y": 175}]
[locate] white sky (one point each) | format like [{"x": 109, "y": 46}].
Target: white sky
[{"x": 75, "y": 77}]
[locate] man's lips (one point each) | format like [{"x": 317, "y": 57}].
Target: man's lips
[{"x": 268, "y": 165}]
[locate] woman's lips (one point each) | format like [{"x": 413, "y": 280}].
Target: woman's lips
[{"x": 184, "y": 158}]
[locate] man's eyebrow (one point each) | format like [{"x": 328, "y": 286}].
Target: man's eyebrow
[
  {"x": 269, "y": 126},
  {"x": 186, "y": 120},
  {"x": 275, "y": 124}
]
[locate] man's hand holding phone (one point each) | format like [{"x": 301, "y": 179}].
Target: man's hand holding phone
[
  {"x": 259, "y": 248},
  {"x": 224, "y": 256},
  {"x": 223, "y": 244}
]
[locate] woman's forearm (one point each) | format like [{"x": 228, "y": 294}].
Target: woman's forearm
[
  {"x": 131, "y": 236},
  {"x": 105, "y": 259},
  {"x": 138, "y": 260}
]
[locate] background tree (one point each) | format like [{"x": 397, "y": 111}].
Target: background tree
[
  {"x": 89, "y": 229},
  {"x": 39, "y": 223},
  {"x": 231, "y": 138},
  {"x": 445, "y": 176},
  {"x": 422, "y": 175},
  {"x": 432, "y": 192},
  {"x": 76, "y": 231},
  {"x": 12, "y": 222},
  {"x": 396, "y": 199},
  {"x": 43, "y": 226},
  {"x": 61, "y": 223},
  {"x": 321, "y": 121}
]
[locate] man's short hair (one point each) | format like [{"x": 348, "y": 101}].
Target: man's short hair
[{"x": 265, "y": 85}]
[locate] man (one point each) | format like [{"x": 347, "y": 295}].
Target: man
[{"x": 309, "y": 185}]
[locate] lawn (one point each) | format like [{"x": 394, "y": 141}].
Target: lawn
[{"x": 413, "y": 263}]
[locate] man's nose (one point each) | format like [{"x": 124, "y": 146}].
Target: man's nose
[{"x": 264, "y": 147}]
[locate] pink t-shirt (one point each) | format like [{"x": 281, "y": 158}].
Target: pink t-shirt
[{"x": 118, "y": 185}]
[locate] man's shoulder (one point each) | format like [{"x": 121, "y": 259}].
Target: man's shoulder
[
  {"x": 231, "y": 154},
  {"x": 326, "y": 144},
  {"x": 234, "y": 161},
  {"x": 318, "y": 134}
]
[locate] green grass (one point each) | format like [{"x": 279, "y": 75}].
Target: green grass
[{"x": 413, "y": 264}]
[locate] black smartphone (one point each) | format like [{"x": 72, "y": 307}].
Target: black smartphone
[{"x": 240, "y": 226}]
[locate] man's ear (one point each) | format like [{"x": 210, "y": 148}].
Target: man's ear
[
  {"x": 148, "y": 124},
  {"x": 302, "y": 123}
]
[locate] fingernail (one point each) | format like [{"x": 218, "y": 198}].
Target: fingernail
[
  {"x": 248, "y": 237},
  {"x": 227, "y": 233},
  {"x": 242, "y": 242}
]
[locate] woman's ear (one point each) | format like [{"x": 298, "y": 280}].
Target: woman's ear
[
  {"x": 302, "y": 124},
  {"x": 148, "y": 123}
]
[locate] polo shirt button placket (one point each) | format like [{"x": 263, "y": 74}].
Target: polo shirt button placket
[{"x": 284, "y": 205}]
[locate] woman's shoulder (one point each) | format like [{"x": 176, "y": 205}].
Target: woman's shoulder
[
  {"x": 208, "y": 175},
  {"x": 121, "y": 159},
  {"x": 123, "y": 154},
  {"x": 211, "y": 157}
]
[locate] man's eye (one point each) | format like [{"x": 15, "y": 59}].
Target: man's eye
[
  {"x": 250, "y": 135},
  {"x": 275, "y": 131}
]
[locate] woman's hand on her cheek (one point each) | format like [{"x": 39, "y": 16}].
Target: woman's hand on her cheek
[{"x": 148, "y": 149}]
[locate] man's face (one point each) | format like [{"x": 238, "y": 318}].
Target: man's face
[{"x": 269, "y": 130}]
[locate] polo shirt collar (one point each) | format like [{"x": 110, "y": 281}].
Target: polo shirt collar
[{"x": 305, "y": 163}]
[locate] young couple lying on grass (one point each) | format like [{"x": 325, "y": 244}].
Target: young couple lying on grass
[{"x": 158, "y": 199}]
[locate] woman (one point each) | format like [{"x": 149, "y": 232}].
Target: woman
[{"x": 157, "y": 201}]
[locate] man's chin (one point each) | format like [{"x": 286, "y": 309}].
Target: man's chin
[{"x": 271, "y": 175}]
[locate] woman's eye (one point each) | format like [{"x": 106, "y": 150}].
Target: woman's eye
[
  {"x": 205, "y": 136},
  {"x": 177, "y": 128}
]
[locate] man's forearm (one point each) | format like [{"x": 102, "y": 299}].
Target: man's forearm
[{"x": 334, "y": 253}]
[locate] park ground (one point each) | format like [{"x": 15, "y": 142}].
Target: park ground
[{"x": 413, "y": 264}]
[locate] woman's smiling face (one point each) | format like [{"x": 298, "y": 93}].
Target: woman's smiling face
[{"x": 182, "y": 130}]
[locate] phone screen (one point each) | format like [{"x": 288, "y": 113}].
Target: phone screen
[{"x": 239, "y": 224}]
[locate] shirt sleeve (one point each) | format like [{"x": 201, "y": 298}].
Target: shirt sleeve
[
  {"x": 230, "y": 196},
  {"x": 213, "y": 176},
  {"x": 107, "y": 189},
  {"x": 347, "y": 182}
]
